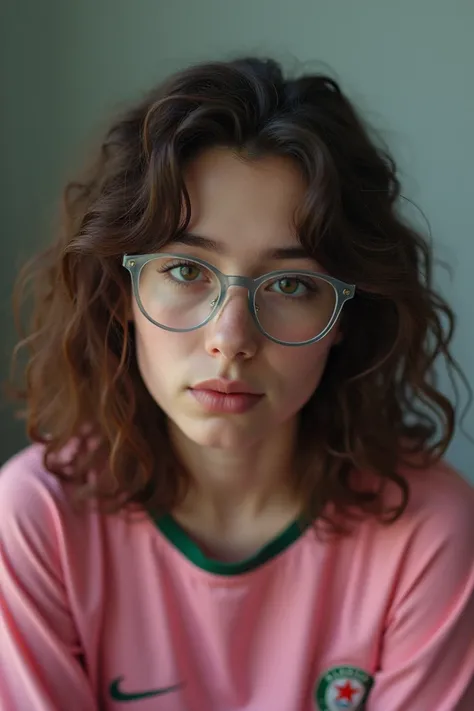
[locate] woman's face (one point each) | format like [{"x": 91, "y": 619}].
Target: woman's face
[{"x": 245, "y": 211}]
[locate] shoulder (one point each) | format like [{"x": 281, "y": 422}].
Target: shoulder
[
  {"x": 433, "y": 540},
  {"x": 24, "y": 481},
  {"x": 434, "y": 534},
  {"x": 440, "y": 500},
  {"x": 32, "y": 500},
  {"x": 436, "y": 495}
]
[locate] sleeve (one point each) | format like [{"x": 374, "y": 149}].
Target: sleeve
[
  {"x": 427, "y": 658},
  {"x": 39, "y": 647}
]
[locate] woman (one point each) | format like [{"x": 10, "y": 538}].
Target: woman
[{"x": 235, "y": 497}]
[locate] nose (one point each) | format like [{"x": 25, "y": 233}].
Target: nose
[{"x": 232, "y": 332}]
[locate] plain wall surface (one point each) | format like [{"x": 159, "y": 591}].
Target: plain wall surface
[
  {"x": 408, "y": 65},
  {"x": 32, "y": 59}
]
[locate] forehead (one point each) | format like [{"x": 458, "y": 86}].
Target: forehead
[{"x": 244, "y": 203}]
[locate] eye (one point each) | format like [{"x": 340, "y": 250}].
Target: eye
[
  {"x": 183, "y": 271},
  {"x": 186, "y": 272},
  {"x": 289, "y": 286}
]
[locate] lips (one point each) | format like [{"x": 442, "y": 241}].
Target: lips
[
  {"x": 228, "y": 387},
  {"x": 225, "y": 396}
]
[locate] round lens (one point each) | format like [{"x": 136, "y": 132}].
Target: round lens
[
  {"x": 178, "y": 293},
  {"x": 294, "y": 307}
]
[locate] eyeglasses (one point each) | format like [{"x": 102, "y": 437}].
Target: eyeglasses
[{"x": 179, "y": 293}]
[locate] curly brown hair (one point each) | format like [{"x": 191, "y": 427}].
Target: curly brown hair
[{"x": 377, "y": 406}]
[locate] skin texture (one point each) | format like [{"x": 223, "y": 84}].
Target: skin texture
[{"x": 236, "y": 460}]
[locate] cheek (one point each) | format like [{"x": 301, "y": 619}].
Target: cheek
[
  {"x": 161, "y": 355},
  {"x": 155, "y": 353},
  {"x": 301, "y": 369}
]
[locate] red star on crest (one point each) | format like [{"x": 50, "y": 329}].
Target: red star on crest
[{"x": 346, "y": 692}]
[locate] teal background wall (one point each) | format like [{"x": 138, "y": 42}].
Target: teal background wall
[
  {"x": 409, "y": 66},
  {"x": 32, "y": 151}
]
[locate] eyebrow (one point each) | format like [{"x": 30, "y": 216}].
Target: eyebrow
[{"x": 194, "y": 240}]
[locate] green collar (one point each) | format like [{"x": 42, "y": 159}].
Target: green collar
[{"x": 182, "y": 541}]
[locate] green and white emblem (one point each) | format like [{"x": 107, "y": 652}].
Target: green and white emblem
[{"x": 343, "y": 688}]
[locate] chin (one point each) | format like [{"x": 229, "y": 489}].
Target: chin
[{"x": 223, "y": 434}]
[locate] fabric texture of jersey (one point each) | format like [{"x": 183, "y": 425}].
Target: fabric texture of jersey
[{"x": 109, "y": 613}]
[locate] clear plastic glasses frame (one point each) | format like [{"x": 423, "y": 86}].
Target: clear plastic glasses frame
[{"x": 135, "y": 263}]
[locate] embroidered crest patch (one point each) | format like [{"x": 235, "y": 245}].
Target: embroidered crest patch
[{"x": 343, "y": 688}]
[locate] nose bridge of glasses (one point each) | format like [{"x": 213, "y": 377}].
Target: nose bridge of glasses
[
  {"x": 228, "y": 281},
  {"x": 244, "y": 282}
]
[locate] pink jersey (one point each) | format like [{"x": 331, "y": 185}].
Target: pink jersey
[{"x": 112, "y": 614}]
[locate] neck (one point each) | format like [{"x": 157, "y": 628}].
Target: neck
[{"x": 230, "y": 485}]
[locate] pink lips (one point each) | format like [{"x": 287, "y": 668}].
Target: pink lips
[{"x": 225, "y": 396}]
